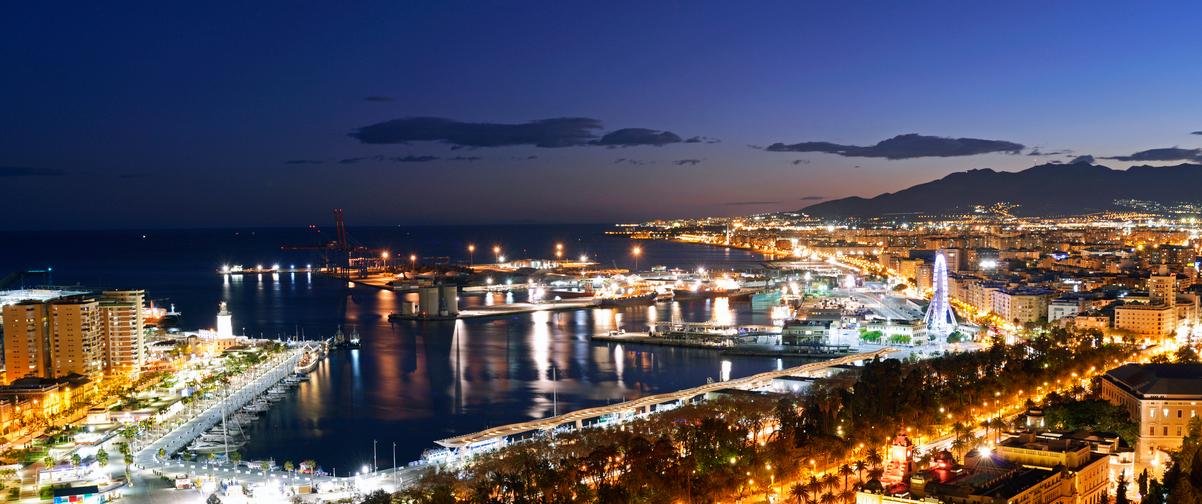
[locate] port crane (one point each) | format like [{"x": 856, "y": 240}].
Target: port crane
[{"x": 339, "y": 255}]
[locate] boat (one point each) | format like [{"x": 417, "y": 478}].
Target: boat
[
  {"x": 218, "y": 446},
  {"x": 636, "y": 299},
  {"x": 308, "y": 362},
  {"x": 568, "y": 294},
  {"x": 342, "y": 341}
]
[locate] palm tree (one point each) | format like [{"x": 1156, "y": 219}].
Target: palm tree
[
  {"x": 860, "y": 466},
  {"x": 830, "y": 481},
  {"x": 874, "y": 457},
  {"x": 845, "y": 471},
  {"x": 288, "y": 466},
  {"x": 828, "y": 498},
  {"x": 848, "y": 496},
  {"x": 800, "y": 492}
]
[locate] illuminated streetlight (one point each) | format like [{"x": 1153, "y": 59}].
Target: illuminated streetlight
[
  {"x": 413, "y": 261},
  {"x": 496, "y": 252},
  {"x": 637, "y": 251},
  {"x": 471, "y": 254}
]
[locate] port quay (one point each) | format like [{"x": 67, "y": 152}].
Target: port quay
[{"x": 450, "y": 451}]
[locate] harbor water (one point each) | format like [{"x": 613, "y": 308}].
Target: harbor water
[{"x": 410, "y": 383}]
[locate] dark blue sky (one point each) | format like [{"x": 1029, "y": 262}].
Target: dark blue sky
[{"x": 172, "y": 114}]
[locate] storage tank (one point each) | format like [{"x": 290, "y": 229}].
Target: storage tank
[
  {"x": 450, "y": 299},
  {"x": 428, "y": 298}
]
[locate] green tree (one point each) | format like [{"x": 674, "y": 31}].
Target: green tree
[
  {"x": 76, "y": 460},
  {"x": 1120, "y": 492},
  {"x": 102, "y": 457},
  {"x": 1186, "y": 355}
]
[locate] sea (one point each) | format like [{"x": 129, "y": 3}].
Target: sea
[{"x": 410, "y": 383}]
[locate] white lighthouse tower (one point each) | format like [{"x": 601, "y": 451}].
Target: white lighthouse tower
[
  {"x": 939, "y": 317},
  {"x": 225, "y": 322}
]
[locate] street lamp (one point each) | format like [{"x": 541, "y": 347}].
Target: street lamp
[
  {"x": 384, "y": 258},
  {"x": 559, "y": 251},
  {"x": 637, "y": 251},
  {"x": 471, "y": 254},
  {"x": 496, "y": 253},
  {"x": 413, "y": 262}
]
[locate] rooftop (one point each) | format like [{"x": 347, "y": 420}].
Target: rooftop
[{"x": 1159, "y": 379}]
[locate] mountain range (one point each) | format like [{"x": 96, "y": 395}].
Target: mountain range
[{"x": 1043, "y": 190}]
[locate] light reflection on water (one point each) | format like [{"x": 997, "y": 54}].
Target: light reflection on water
[{"x": 414, "y": 383}]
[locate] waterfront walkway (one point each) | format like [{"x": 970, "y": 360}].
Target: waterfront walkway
[
  {"x": 177, "y": 437},
  {"x": 647, "y": 404}
]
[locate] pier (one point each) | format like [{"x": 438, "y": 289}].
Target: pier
[
  {"x": 496, "y": 437},
  {"x": 179, "y": 437}
]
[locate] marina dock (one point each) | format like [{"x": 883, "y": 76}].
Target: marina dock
[
  {"x": 504, "y": 310},
  {"x": 748, "y": 350}
]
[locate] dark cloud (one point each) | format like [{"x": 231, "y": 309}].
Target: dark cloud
[
  {"x": 358, "y": 159},
  {"x": 1037, "y": 152},
  {"x": 702, "y": 139},
  {"x": 636, "y": 162},
  {"x": 800, "y": 161},
  {"x": 630, "y": 137},
  {"x": 1087, "y": 159},
  {"x": 812, "y": 198},
  {"x": 1162, "y": 154},
  {"x": 682, "y": 162},
  {"x": 303, "y": 161},
  {"x": 414, "y": 159},
  {"x": 1195, "y": 132},
  {"x": 29, "y": 171},
  {"x": 378, "y": 98},
  {"x": 751, "y": 203},
  {"x": 906, "y": 146},
  {"x": 527, "y": 158},
  {"x": 560, "y": 132},
  {"x": 464, "y": 158}
]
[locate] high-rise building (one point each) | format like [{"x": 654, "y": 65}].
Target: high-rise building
[
  {"x": 76, "y": 337},
  {"x": 124, "y": 335},
  {"x": 1162, "y": 290},
  {"x": 26, "y": 340}
]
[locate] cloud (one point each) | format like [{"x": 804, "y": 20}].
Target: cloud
[
  {"x": 378, "y": 98},
  {"x": 751, "y": 203},
  {"x": 464, "y": 158},
  {"x": 682, "y": 162},
  {"x": 800, "y": 162},
  {"x": 559, "y": 132},
  {"x": 303, "y": 161},
  {"x": 630, "y": 137},
  {"x": 1087, "y": 159},
  {"x": 357, "y": 159},
  {"x": 1036, "y": 152},
  {"x": 906, "y": 147},
  {"x": 702, "y": 139},
  {"x": 1162, "y": 154},
  {"x": 414, "y": 159},
  {"x": 1195, "y": 132},
  {"x": 28, "y": 171},
  {"x": 812, "y": 198},
  {"x": 636, "y": 162}
]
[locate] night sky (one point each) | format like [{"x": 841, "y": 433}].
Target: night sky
[{"x": 174, "y": 114}]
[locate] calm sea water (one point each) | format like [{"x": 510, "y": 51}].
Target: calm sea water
[{"x": 410, "y": 383}]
